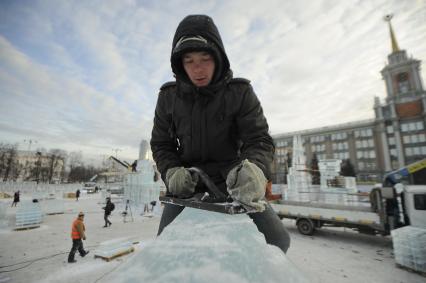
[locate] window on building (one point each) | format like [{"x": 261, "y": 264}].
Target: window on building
[
  {"x": 391, "y": 141},
  {"x": 316, "y": 139},
  {"x": 402, "y": 82},
  {"x": 416, "y": 150},
  {"x": 389, "y": 129},
  {"x": 412, "y": 126},
  {"x": 321, "y": 156},
  {"x": 406, "y": 139},
  {"x": 409, "y": 139},
  {"x": 318, "y": 148},
  {"x": 364, "y": 133},
  {"x": 341, "y": 155},
  {"x": 393, "y": 153},
  {"x": 339, "y": 136},
  {"x": 420, "y": 201}
]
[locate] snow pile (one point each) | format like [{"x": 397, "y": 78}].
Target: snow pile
[
  {"x": 409, "y": 244},
  {"x": 202, "y": 246}
]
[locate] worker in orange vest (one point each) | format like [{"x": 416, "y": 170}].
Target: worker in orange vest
[{"x": 77, "y": 235}]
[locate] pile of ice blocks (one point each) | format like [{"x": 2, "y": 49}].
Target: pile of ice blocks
[
  {"x": 29, "y": 214},
  {"x": 409, "y": 244}
]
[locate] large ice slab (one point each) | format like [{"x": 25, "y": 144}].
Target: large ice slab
[
  {"x": 201, "y": 246},
  {"x": 112, "y": 249},
  {"x": 28, "y": 215},
  {"x": 409, "y": 245}
]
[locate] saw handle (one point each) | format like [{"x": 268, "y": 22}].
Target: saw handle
[{"x": 208, "y": 182}]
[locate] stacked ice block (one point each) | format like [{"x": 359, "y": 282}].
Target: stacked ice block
[
  {"x": 28, "y": 215},
  {"x": 109, "y": 250},
  {"x": 409, "y": 244},
  {"x": 140, "y": 188},
  {"x": 3, "y": 215}
]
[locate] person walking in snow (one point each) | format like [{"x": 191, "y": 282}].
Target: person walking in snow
[
  {"x": 78, "y": 233},
  {"x": 108, "y": 208},
  {"x": 210, "y": 120},
  {"x": 77, "y": 194},
  {"x": 16, "y": 197}
]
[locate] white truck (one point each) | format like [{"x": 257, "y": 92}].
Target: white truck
[{"x": 386, "y": 208}]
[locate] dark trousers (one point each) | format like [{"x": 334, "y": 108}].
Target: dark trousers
[
  {"x": 267, "y": 222},
  {"x": 77, "y": 245},
  {"x": 107, "y": 222}
]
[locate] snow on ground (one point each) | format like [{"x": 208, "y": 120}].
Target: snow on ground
[{"x": 40, "y": 255}]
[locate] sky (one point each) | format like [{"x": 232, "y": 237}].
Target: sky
[{"x": 85, "y": 75}]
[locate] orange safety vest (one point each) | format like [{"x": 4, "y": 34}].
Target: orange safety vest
[{"x": 74, "y": 232}]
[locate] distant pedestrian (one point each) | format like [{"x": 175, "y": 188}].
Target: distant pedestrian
[
  {"x": 109, "y": 207},
  {"x": 153, "y": 203},
  {"x": 134, "y": 166},
  {"x": 77, "y": 194},
  {"x": 77, "y": 235},
  {"x": 15, "y": 198}
]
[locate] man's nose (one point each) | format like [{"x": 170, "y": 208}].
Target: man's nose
[{"x": 197, "y": 67}]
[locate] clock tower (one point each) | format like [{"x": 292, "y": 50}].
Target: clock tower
[{"x": 401, "y": 119}]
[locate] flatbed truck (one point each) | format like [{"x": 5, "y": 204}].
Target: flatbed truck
[{"x": 383, "y": 210}]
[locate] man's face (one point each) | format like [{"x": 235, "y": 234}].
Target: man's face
[{"x": 199, "y": 66}]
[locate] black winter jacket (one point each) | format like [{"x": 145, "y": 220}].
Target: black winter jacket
[
  {"x": 213, "y": 127},
  {"x": 213, "y": 131}
]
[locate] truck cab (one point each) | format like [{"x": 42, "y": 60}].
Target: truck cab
[{"x": 414, "y": 199}]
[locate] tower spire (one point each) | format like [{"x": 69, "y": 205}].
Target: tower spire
[{"x": 395, "y": 46}]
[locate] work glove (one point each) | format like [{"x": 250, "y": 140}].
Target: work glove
[
  {"x": 246, "y": 184},
  {"x": 180, "y": 182}
]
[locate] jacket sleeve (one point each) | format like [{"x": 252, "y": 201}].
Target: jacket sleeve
[
  {"x": 163, "y": 141},
  {"x": 80, "y": 228},
  {"x": 258, "y": 145}
]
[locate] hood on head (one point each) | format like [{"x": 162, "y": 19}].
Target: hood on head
[{"x": 198, "y": 33}]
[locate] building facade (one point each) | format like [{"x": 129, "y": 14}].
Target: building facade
[{"x": 394, "y": 138}]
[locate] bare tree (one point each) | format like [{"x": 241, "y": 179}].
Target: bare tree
[
  {"x": 9, "y": 160},
  {"x": 56, "y": 163},
  {"x": 74, "y": 159}
]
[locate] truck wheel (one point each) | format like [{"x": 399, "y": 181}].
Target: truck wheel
[{"x": 305, "y": 226}]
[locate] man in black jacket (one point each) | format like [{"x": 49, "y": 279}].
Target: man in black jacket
[
  {"x": 210, "y": 120},
  {"x": 109, "y": 207}
]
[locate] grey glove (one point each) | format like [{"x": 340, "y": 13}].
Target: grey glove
[
  {"x": 180, "y": 182},
  {"x": 246, "y": 183}
]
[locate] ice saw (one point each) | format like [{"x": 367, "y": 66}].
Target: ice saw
[{"x": 213, "y": 200}]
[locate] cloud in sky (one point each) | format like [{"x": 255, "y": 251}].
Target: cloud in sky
[{"x": 84, "y": 75}]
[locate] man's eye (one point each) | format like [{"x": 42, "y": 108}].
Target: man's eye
[{"x": 187, "y": 61}]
